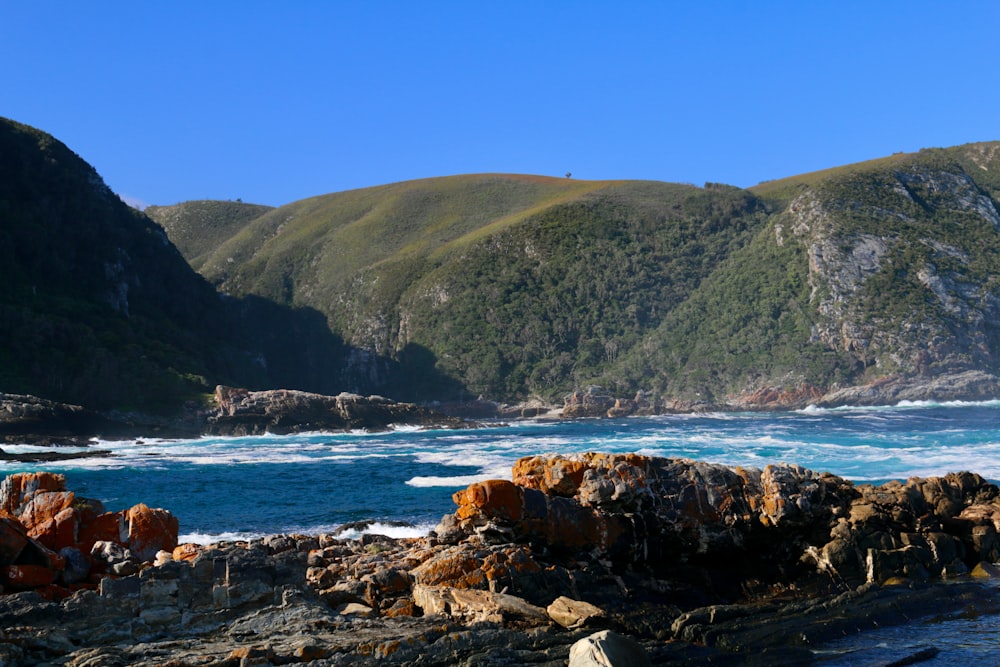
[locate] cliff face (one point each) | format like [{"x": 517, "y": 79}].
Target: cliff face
[{"x": 901, "y": 286}]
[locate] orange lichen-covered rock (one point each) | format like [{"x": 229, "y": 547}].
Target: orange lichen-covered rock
[
  {"x": 18, "y": 489},
  {"x": 556, "y": 475},
  {"x": 150, "y": 530},
  {"x": 38, "y": 514},
  {"x": 592, "y": 478},
  {"x": 494, "y": 498}
]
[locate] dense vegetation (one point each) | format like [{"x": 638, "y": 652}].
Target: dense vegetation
[
  {"x": 504, "y": 286},
  {"x": 513, "y": 287},
  {"x": 97, "y": 306}
]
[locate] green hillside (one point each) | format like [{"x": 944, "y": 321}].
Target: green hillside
[
  {"x": 503, "y": 286},
  {"x": 199, "y": 227},
  {"x": 97, "y": 307},
  {"x": 513, "y": 286}
]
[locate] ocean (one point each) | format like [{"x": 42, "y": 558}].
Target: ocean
[
  {"x": 228, "y": 488},
  {"x": 231, "y": 488}
]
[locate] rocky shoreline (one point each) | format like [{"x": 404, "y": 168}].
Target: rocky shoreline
[
  {"x": 236, "y": 412},
  {"x": 670, "y": 561}
]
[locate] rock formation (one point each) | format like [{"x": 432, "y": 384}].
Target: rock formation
[
  {"x": 578, "y": 558},
  {"x": 53, "y": 541},
  {"x": 243, "y": 412},
  {"x": 29, "y": 419}
]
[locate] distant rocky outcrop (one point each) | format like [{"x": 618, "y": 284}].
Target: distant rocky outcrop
[
  {"x": 244, "y": 412},
  {"x": 969, "y": 385},
  {"x": 32, "y": 420},
  {"x": 578, "y": 559}
]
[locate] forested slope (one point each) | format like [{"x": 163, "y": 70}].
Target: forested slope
[{"x": 513, "y": 287}]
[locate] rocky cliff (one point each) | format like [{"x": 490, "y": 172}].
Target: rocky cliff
[{"x": 670, "y": 561}]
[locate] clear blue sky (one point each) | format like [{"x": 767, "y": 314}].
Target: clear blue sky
[{"x": 271, "y": 102}]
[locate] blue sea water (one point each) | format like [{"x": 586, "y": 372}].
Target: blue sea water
[{"x": 226, "y": 488}]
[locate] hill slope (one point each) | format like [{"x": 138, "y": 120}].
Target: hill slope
[
  {"x": 199, "y": 227},
  {"x": 98, "y": 307},
  {"x": 885, "y": 269},
  {"x": 515, "y": 286}
]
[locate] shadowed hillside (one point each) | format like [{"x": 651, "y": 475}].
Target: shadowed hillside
[
  {"x": 826, "y": 287},
  {"x": 100, "y": 309}
]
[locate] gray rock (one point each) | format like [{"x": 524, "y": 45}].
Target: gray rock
[{"x": 607, "y": 649}]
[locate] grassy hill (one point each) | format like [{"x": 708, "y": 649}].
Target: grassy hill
[
  {"x": 505, "y": 286},
  {"x": 501, "y": 285},
  {"x": 516, "y": 286},
  {"x": 199, "y": 227}
]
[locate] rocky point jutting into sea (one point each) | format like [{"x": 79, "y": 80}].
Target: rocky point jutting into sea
[{"x": 662, "y": 560}]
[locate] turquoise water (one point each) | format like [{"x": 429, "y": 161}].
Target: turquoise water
[{"x": 228, "y": 487}]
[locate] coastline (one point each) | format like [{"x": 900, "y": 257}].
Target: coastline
[
  {"x": 681, "y": 561},
  {"x": 31, "y": 420}
]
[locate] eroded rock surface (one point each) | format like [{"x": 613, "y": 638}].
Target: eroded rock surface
[
  {"x": 244, "y": 412},
  {"x": 689, "y": 562}
]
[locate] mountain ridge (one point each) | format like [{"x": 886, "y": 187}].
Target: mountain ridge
[
  {"x": 510, "y": 287},
  {"x": 728, "y": 350}
]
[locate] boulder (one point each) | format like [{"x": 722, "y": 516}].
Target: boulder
[
  {"x": 150, "y": 531},
  {"x": 574, "y": 614},
  {"x": 608, "y": 649}
]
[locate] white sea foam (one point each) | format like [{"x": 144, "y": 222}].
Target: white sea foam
[
  {"x": 901, "y": 405},
  {"x": 374, "y": 528},
  {"x": 214, "y": 538},
  {"x": 457, "y": 481},
  {"x": 395, "y": 532}
]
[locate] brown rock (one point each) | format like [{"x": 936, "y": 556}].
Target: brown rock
[
  {"x": 573, "y": 614},
  {"x": 20, "y": 577},
  {"x": 13, "y": 539},
  {"x": 108, "y": 527},
  {"x": 150, "y": 531}
]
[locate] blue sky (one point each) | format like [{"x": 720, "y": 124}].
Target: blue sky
[{"x": 271, "y": 102}]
